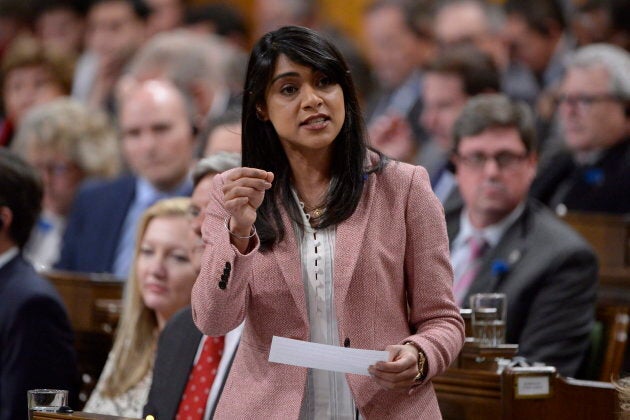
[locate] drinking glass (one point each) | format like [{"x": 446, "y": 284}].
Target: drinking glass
[
  {"x": 46, "y": 400},
  {"x": 488, "y": 318}
]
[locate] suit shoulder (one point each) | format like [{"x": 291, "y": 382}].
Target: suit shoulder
[
  {"x": 27, "y": 287},
  {"x": 552, "y": 230},
  {"x": 183, "y": 317},
  {"x": 398, "y": 174},
  {"x": 106, "y": 188}
]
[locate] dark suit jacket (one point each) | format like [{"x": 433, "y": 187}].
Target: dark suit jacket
[
  {"x": 177, "y": 348},
  {"x": 550, "y": 279},
  {"x": 176, "y": 352},
  {"x": 601, "y": 187},
  {"x": 36, "y": 340},
  {"x": 95, "y": 224}
]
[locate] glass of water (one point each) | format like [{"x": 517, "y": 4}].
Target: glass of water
[
  {"x": 488, "y": 318},
  {"x": 46, "y": 400}
]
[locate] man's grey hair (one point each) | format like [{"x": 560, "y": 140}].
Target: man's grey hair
[
  {"x": 495, "y": 110},
  {"x": 215, "y": 164},
  {"x": 184, "y": 57},
  {"x": 493, "y": 14},
  {"x": 615, "y": 60}
]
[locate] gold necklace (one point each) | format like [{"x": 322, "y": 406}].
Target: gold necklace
[{"x": 315, "y": 212}]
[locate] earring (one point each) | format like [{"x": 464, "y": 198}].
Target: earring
[{"x": 259, "y": 113}]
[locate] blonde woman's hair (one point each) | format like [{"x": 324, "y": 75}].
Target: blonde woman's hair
[
  {"x": 66, "y": 126},
  {"x": 136, "y": 338}
]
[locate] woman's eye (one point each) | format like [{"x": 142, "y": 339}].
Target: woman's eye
[
  {"x": 181, "y": 258},
  {"x": 288, "y": 90},
  {"x": 146, "y": 251},
  {"x": 325, "y": 81}
]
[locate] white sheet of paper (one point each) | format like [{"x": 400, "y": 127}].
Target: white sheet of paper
[{"x": 322, "y": 356}]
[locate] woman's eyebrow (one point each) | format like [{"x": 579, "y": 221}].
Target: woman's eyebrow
[{"x": 287, "y": 74}]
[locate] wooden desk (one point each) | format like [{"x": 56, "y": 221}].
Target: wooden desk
[
  {"x": 94, "y": 304},
  {"x": 568, "y": 398},
  {"x": 608, "y": 234},
  {"x": 476, "y": 394},
  {"x": 77, "y": 415},
  {"x": 92, "y": 300}
]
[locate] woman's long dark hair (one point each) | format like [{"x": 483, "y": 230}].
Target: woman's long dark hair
[{"x": 261, "y": 145}]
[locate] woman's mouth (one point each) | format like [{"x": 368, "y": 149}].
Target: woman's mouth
[{"x": 316, "y": 123}]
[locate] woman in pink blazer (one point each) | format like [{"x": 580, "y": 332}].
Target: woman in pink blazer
[{"x": 317, "y": 238}]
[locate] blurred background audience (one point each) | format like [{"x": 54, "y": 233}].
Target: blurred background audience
[
  {"x": 66, "y": 143},
  {"x": 31, "y": 75},
  {"x": 115, "y": 30},
  {"x": 157, "y": 141}
]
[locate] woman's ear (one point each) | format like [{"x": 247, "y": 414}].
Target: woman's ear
[
  {"x": 261, "y": 113},
  {"x": 6, "y": 217}
]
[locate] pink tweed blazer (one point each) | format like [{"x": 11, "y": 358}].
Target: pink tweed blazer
[{"x": 392, "y": 283}]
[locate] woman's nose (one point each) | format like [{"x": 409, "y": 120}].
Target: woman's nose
[{"x": 312, "y": 98}]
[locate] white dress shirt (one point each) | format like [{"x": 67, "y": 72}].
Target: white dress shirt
[
  {"x": 460, "y": 251},
  {"x": 327, "y": 394}
]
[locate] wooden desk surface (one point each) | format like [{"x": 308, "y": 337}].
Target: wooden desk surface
[
  {"x": 469, "y": 394},
  {"x": 77, "y": 415}
]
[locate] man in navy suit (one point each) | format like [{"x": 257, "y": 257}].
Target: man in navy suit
[
  {"x": 158, "y": 142},
  {"x": 547, "y": 271},
  {"x": 181, "y": 341},
  {"x": 593, "y": 174},
  {"x": 36, "y": 340}
]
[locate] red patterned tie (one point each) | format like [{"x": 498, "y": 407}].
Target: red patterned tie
[
  {"x": 477, "y": 247},
  {"x": 193, "y": 403}
]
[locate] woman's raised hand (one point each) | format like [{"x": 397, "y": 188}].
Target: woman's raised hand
[{"x": 243, "y": 192}]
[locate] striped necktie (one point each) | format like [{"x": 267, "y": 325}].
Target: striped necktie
[{"x": 476, "y": 246}]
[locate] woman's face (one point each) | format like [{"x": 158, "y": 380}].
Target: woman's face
[
  {"x": 165, "y": 272},
  {"x": 26, "y": 87},
  {"x": 305, "y": 107},
  {"x": 61, "y": 178}
]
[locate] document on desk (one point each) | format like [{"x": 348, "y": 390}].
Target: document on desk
[{"x": 322, "y": 356}]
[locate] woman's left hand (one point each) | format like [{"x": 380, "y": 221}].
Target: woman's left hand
[{"x": 400, "y": 369}]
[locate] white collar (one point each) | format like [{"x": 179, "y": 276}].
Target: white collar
[
  {"x": 8, "y": 255},
  {"x": 492, "y": 234}
]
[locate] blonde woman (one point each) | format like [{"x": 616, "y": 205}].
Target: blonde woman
[
  {"x": 67, "y": 143},
  {"x": 160, "y": 284}
]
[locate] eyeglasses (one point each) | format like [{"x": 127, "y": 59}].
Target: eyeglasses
[
  {"x": 504, "y": 160},
  {"x": 585, "y": 101}
]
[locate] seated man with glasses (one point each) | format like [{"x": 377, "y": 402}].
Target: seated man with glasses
[
  {"x": 503, "y": 242},
  {"x": 593, "y": 174}
]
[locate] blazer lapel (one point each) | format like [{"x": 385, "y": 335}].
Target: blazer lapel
[
  {"x": 181, "y": 358},
  {"x": 499, "y": 261},
  {"x": 349, "y": 240},
  {"x": 291, "y": 267}
]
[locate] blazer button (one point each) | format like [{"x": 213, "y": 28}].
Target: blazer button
[
  {"x": 346, "y": 342},
  {"x": 228, "y": 266},
  {"x": 222, "y": 285},
  {"x": 224, "y": 277},
  {"x": 226, "y": 271}
]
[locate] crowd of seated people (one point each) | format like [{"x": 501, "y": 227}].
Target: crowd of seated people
[
  {"x": 67, "y": 143},
  {"x": 518, "y": 109}
]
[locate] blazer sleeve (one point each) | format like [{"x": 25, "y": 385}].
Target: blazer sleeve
[
  {"x": 429, "y": 278},
  {"x": 221, "y": 292}
]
